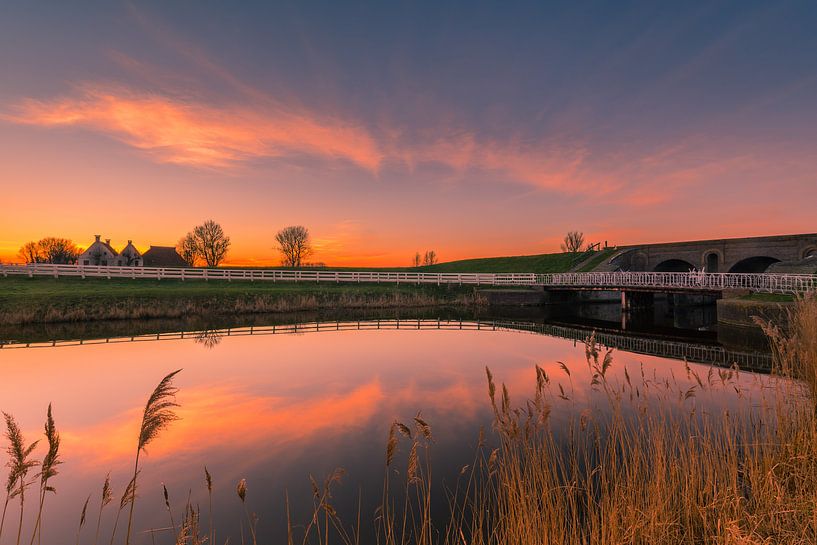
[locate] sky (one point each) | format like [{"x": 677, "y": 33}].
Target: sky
[{"x": 472, "y": 128}]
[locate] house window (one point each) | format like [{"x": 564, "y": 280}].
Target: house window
[{"x": 85, "y": 262}]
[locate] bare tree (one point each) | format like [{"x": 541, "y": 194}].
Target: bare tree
[
  {"x": 30, "y": 252},
  {"x": 294, "y": 244},
  {"x": 430, "y": 258},
  {"x": 50, "y": 250},
  {"x": 187, "y": 249},
  {"x": 573, "y": 242},
  {"x": 210, "y": 242},
  {"x": 417, "y": 260}
]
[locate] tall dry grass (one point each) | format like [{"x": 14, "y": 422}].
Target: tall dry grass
[{"x": 644, "y": 463}]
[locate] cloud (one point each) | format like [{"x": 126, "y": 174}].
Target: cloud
[{"x": 175, "y": 130}]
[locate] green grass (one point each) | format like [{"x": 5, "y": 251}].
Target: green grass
[
  {"x": 28, "y": 300},
  {"x": 542, "y": 263},
  {"x": 17, "y": 287},
  {"x": 597, "y": 260}
]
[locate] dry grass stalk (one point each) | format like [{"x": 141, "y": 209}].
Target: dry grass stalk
[
  {"x": 158, "y": 414},
  {"x": 48, "y": 468},
  {"x": 19, "y": 465},
  {"x": 82, "y": 518},
  {"x": 105, "y": 499},
  {"x": 209, "y": 481}
]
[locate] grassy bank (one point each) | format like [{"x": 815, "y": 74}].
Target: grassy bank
[
  {"x": 542, "y": 263},
  {"x": 538, "y": 263},
  {"x": 45, "y": 300}
]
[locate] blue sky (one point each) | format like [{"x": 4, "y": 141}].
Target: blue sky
[{"x": 473, "y": 128}]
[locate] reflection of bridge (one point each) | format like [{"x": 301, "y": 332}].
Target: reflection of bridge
[
  {"x": 696, "y": 282},
  {"x": 674, "y": 349}
]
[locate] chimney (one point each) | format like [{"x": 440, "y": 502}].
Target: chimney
[
  {"x": 97, "y": 238},
  {"x": 108, "y": 241},
  {"x": 130, "y": 242}
]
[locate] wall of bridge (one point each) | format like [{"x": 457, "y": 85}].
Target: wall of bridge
[{"x": 721, "y": 255}]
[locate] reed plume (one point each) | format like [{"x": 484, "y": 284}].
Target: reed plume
[
  {"x": 47, "y": 470},
  {"x": 167, "y": 506},
  {"x": 209, "y": 480},
  {"x": 82, "y": 518},
  {"x": 106, "y": 498},
  {"x": 241, "y": 490},
  {"x": 19, "y": 465},
  {"x": 128, "y": 496},
  {"x": 157, "y": 416}
]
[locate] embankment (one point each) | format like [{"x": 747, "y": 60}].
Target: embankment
[{"x": 45, "y": 300}]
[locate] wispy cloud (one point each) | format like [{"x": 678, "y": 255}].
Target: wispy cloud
[
  {"x": 187, "y": 131},
  {"x": 181, "y": 131}
]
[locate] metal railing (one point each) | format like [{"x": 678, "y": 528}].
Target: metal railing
[
  {"x": 681, "y": 350},
  {"x": 655, "y": 281},
  {"x": 683, "y": 281}
]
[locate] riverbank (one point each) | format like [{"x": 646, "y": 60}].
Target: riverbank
[
  {"x": 48, "y": 300},
  {"x": 737, "y": 318}
]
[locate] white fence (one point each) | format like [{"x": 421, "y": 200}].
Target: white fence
[
  {"x": 270, "y": 275},
  {"x": 656, "y": 281}
]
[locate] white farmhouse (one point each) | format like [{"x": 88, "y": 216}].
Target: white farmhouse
[{"x": 102, "y": 253}]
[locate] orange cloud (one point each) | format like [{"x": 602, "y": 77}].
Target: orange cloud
[
  {"x": 184, "y": 132},
  {"x": 191, "y": 132},
  {"x": 544, "y": 164}
]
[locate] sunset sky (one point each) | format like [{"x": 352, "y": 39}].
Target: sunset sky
[{"x": 475, "y": 129}]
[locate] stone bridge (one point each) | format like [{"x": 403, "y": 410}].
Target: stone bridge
[{"x": 785, "y": 253}]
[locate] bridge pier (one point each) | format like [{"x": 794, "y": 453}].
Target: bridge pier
[{"x": 636, "y": 300}]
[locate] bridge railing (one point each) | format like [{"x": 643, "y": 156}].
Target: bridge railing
[
  {"x": 686, "y": 281},
  {"x": 689, "y": 281}
]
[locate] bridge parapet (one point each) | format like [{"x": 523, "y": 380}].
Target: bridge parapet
[{"x": 683, "y": 281}]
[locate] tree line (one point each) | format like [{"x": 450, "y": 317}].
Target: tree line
[
  {"x": 208, "y": 244},
  {"x": 429, "y": 258}
]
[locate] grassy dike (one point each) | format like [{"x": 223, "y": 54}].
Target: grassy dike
[{"x": 47, "y": 300}]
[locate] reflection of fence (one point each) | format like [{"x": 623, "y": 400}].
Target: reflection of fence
[
  {"x": 696, "y": 352},
  {"x": 653, "y": 281}
]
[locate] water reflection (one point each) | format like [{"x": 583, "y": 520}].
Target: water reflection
[
  {"x": 697, "y": 350},
  {"x": 275, "y": 407},
  {"x": 209, "y": 338}
]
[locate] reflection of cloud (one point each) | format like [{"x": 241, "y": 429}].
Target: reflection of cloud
[{"x": 219, "y": 416}]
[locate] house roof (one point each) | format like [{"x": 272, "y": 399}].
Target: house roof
[
  {"x": 162, "y": 256},
  {"x": 98, "y": 243},
  {"x": 130, "y": 250}
]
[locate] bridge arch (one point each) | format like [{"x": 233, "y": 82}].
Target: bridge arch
[
  {"x": 756, "y": 264},
  {"x": 712, "y": 260},
  {"x": 674, "y": 265}
]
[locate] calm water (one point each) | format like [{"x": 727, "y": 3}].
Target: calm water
[{"x": 275, "y": 409}]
